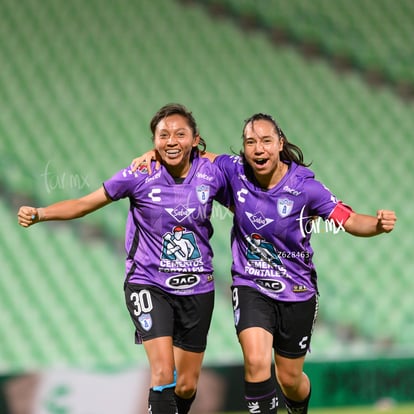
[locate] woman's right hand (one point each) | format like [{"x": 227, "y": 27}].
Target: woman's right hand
[{"x": 26, "y": 216}]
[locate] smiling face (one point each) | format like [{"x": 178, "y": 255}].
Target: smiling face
[
  {"x": 262, "y": 146},
  {"x": 174, "y": 140}
]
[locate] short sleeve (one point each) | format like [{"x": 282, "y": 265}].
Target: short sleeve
[
  {"x": 227, "y": 164},
  {"x": 321, "y": 200},
  {"x": 121, "y": 184}
]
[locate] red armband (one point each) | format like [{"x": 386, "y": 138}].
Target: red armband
[{"x": 340, "y": 214}]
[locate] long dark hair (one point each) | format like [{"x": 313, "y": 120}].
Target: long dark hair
[
  {"x": 290, "y": 152},
  {"x": 177, "y": 109}
]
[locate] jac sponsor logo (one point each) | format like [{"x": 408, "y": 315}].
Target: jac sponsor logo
[
  {"x": 271, "y": 284},
  {"x": 183, "y": 281}
]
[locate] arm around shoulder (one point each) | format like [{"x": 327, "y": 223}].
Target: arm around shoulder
[{"x": 209, "y": 155}]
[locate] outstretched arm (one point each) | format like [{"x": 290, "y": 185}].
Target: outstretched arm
[
  {"x": 64, "y": 210},
  {"x": 366, "y": 226}
]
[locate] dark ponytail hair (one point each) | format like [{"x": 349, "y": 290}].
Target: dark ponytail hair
[
  {"x": 290, "y": 152},
  {"x": 177, "y": 109}
]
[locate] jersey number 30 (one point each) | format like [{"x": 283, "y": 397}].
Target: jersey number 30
[{"x": 142, "y": 301}]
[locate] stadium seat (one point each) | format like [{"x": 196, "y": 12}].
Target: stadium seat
[{"x": 81, "y": 83}]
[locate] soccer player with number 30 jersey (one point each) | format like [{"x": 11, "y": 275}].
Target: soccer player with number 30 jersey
[{"x": 169, "y": 284}]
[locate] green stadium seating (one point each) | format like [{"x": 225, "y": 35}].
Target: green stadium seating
[
  {"x": 81, "y": 82},
  {"x": 373, "y": 35}
]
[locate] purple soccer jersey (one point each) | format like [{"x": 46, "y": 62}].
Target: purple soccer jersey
[
  {"x": 168, "y": 226},
  {"x": 272, "y": 230}
]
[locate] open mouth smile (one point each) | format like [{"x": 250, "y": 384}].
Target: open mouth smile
[
  {"x": 260, "y": 161},
  {"x": 172, "y": 153}
]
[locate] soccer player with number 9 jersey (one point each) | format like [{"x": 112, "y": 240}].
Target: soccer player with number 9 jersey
[{"x": 278, "y": 204}]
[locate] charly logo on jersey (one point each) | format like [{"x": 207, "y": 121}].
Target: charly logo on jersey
[
  {"x": 240, "y": 195},
  {"x": 146, "y": 321},
  {"x": 180, "y": 212},
  {"x": 258, "y": 219},
  {"x": 203, "y": 192},
  {"x": 284, "y": 206},
  {"x": 153, "y": 195}
]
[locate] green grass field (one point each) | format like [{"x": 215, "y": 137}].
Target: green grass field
[{"x": 400, "y": 409}]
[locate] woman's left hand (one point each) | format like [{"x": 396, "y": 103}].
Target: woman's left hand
[
  {"x": 386, "y": 220},
  {"x": 145, "y": 160}
]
